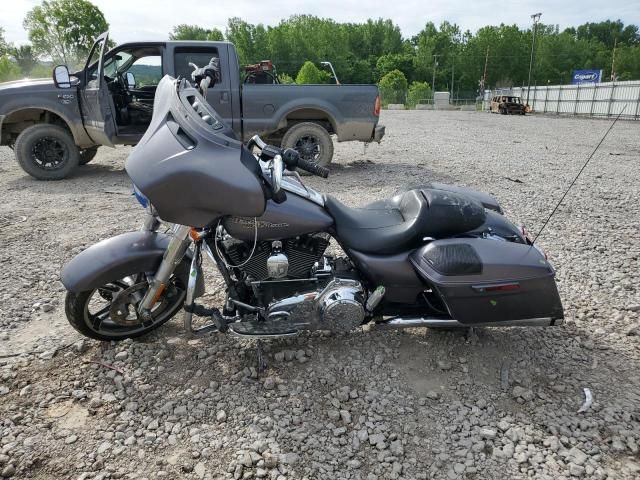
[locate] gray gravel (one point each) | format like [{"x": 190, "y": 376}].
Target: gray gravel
[{"x": 486, "y": 403}]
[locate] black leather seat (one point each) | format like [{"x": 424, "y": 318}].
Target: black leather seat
[{"x": 399, "y": 224}]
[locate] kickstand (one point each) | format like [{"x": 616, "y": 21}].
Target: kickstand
[{"x": 260, "y": 358}]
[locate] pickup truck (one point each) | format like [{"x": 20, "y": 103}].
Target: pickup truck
[{"x": 56, "y": 124}]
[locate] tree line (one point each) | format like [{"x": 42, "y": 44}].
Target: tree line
[{"x": 442, "y": 55}]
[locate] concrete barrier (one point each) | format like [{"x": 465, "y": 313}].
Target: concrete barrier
[
  {"x": 424, "y": 106},
  {"x": 395, "y": 106}
]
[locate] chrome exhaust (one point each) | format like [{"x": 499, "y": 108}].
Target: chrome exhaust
[{"x": 417, "y": 322}]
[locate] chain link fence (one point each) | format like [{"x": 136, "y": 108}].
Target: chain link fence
[{"x": 594, "y": 100}]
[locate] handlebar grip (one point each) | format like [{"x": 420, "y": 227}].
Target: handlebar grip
[
  {"x": 313, "y": 168},
  {"x": 256, "y": 141}
]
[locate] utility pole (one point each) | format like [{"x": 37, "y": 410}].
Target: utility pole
[
  {"x": 433, "y": 82},
  {"x": 536, "y": 18},
  {"x": 613, "y": 60},
  {"x": 453, "y": 69},
  {"x": 484, "y": 75}
]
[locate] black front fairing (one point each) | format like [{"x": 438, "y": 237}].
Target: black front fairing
[{"x": 189, "y": 164}]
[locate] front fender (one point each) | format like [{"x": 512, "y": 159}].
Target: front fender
[{"x": 117, "y": 257}]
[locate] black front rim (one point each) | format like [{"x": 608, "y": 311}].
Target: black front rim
[
  {"x": 49, "y": 153},
  {"x": 98, "y": 307},
  {"x": 308, "y": 147}
]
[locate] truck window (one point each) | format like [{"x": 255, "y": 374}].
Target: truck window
[
  {"x": 198, "y": 55},
  {"x": 147, "y": 71}
]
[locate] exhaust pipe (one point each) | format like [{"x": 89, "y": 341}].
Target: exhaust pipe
[{"x": 399, "y": 322}]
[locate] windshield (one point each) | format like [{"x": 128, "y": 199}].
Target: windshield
[{"x": 112, "y": 65}]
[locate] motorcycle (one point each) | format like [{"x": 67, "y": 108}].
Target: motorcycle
[{"x": 433, "y": 256}]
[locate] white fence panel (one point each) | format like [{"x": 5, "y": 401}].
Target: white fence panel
[{"x": 600, "y": 99}]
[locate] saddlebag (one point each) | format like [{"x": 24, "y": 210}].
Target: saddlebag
[{"x": 485, "y": 281}]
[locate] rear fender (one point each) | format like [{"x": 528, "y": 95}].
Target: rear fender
[{"x": 117, "y": 257}]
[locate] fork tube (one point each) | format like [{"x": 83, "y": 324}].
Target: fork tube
[
  {"x": 172, "y": 257},
  {"x": 191, "y": 289}
]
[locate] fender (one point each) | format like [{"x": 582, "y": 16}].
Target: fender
[
  {"x": 116, "y": 257},
  {"x": 70, "y": 114},
  {"x": 334, "y": 117}
]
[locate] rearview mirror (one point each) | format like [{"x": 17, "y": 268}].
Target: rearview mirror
[
  {"x": 61, "y": 77},
  {"x": 131, "y": 80}
]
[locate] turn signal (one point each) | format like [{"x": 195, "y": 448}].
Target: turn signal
[{"x": 377, "y": 106}]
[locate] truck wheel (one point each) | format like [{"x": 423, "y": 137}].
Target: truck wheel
[
  {"x": 87, "y": 155},
  {"x": 311, "y": 141},
  {"x": 47, "y": 152}
]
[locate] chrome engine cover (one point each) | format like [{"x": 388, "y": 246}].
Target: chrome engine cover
[{"x": 339, "y": 307}]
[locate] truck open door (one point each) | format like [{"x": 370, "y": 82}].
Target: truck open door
[{"x": 96, "y": 103}]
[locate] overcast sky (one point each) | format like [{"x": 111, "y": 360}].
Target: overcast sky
[{"x": 153, "y": 19}]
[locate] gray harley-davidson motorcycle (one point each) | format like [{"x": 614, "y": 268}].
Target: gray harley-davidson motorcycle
[{"x": 434, "y": 256}]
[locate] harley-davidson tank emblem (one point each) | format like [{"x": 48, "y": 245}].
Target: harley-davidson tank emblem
[{"x": 250, "y": 223}]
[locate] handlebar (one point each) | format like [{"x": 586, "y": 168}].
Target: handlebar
[
  {"x": 256, "y": 141},
  {"x": 312, "y": 167},
  {"x": 289, "y": 156}
]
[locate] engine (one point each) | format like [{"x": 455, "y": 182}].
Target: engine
[
  {"x": 301, "y": 288},
  {"x": 291, "y": 258},
  {"x": 339, "y": 306}
]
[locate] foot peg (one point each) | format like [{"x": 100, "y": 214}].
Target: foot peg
[{"x": 218, "y": 322}]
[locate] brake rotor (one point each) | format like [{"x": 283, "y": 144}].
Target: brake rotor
[{"x": 120, "y": 311}]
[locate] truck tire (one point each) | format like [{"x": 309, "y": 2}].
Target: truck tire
[
  {"x": 87, "y": 155},
  {"x": 311, "y": 141},
  {"x": 47, "y": 152}
]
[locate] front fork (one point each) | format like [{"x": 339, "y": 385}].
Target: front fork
[{"x": 171, "y": 259}]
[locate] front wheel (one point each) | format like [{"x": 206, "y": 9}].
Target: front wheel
[
  {"x": 109, "y": 312},
  {"x": 47, "y": 152},
  {"x": 312, "y": 142}
]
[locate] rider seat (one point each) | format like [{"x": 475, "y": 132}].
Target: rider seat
[{"x": 400, "y": 223}]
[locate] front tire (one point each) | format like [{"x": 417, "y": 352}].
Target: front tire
[
  {"x": 311, "y": 141},
  {"x": 47, "y": 152},
  {"x": 89, "y": 312}
]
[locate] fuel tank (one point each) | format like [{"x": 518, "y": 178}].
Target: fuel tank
[{"x": 296, "y": 216}]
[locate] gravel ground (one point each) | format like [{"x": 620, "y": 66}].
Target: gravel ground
[{"x": 478, "y": 404}]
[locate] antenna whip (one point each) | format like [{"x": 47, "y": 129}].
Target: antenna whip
[{"x": 579, "y": 173}]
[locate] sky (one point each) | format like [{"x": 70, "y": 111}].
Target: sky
[{"x": 133, "y": 20}]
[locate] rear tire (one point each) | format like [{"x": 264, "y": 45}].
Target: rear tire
[
  {"x": 47, "y": 152},
  {"x": 77, "y": 309},
  {"x": 311, "y": 141},
  {"x": 87, "y": 155}
]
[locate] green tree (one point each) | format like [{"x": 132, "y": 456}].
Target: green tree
[
  {"x": 8, "y": 69},
  {"x": 395, "y": 61},
  {"x": 608, "y": 33},
  {"x": 25, "y": 58},
  {"x": 41, "y": 71},
  {"x": 310, "y": 74},
  {"x": 285, "y": 79},
  {"x": 360, "y": 72},
  {"x": 4, "y": 46},
  {"x": 393, "y": 87},
  {"x": 251, "y": 41},
  {"x": 194, "y": 32},
  {"x": 64, "y": 30},
  {"x": 418, "y": 91}
]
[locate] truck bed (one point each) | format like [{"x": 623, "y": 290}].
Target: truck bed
[{"x": 349, "y": 109}]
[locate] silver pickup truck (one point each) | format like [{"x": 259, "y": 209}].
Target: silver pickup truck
[{"x": 55, "y": 125}]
